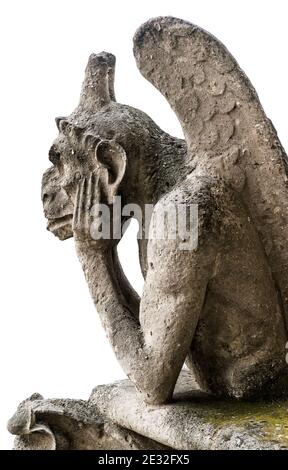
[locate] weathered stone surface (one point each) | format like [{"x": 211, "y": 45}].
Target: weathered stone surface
[
  {"x": 196, "y": 421},
  {"x": 59, "y": 424},
  {"x": 116, "y": 418},
  {"x": 219, "y": 304}
]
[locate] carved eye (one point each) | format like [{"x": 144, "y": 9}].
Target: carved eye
[
  {"x": 54, "y": 155},
  {"x": 64, "y": 126}
]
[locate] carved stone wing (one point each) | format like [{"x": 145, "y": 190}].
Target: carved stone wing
[{"x": 219, "y": 109}]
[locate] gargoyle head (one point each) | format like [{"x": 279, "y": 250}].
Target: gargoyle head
[
  {"x": 79, "y": 148},
  {"x": 99, "y": 135}
]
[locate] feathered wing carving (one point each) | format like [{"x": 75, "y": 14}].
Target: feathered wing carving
[{"x": 219, "y": 109}]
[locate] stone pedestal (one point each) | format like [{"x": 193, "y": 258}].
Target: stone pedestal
[{"x": 114, "y": 417}]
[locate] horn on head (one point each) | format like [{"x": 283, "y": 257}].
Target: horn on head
[{"x": 98, "y": 86}]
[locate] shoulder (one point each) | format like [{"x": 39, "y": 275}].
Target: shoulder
[{"x": 205, "y": 198}]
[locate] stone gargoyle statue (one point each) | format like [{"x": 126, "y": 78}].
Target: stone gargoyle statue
[{"x": 222, "y": 307}]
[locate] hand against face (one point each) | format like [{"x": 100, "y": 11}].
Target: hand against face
[{"x": 87, "y": 195}]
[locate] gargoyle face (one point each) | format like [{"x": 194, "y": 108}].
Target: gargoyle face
[
  {"x": 59, "y": 184},
  {"x": 74, "y": 154}
]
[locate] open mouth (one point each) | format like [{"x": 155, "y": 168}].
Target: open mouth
[{"x": 61, "y": 227}]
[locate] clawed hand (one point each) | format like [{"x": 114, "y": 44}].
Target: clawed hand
[{"x": 87, "y": 196}]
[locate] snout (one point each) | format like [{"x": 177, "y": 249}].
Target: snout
[{"x": 58, "y": 210}]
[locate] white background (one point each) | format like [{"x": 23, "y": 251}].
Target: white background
[{"x": 51, "y": 340}]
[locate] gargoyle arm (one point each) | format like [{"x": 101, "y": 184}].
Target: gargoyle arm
[{"x": 152, "y": 353}]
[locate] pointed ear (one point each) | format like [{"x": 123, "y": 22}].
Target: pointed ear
[{"x": 111, "y": 158}]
